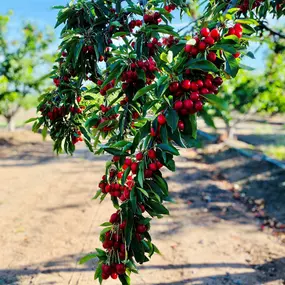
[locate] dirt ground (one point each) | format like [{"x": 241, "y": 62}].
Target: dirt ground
[{"x": 48, "y": 220}]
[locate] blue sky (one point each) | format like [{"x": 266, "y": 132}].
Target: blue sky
[{"x": 40, "y": 13}]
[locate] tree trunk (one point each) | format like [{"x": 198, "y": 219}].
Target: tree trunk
[{"x": 10, "y": 124}]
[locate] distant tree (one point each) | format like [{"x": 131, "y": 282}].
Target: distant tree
[{"x": 23, "y": 65}]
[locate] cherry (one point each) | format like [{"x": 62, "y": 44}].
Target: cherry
[
  {"x": 114, "y": 218},
  {"x": 114, "y": 275},
  {"x": 232, "y": 31},
  {"x": 106, "y": 269},
  {"x": 186, "y": 84},
  {"x": 212, "y": 56},
  {"x": 123, "y": 225},
  {"x": 238, "y": 27},
  {"x": 181, "y": 126},
  {"x": 236, "y": 55},
  {"x": 202, "y": 46},
  {"x": 200, "y": 83},
  {"x": 159, "y": 164},
  {"x": 152, "y": 132},
  {"x": 139, "y": 156},
  {"x": 194, "y": 51},
  {"x": 204, "y": 91},
  {"x": 238, "y": 34},
  {"x": 153, "y": 167},
  {"x": 208, "y": 83},
  {"x": 194, "y": 96},
  {"x": 152, "y": 154},
  {"x": 128, "y": 161},
  {"x": 198, "y": 106},
  {"x": 194, "y": 86},
  {"x": 188, "y": 48},
  {"x": 209, "y": 40},
  {"x": 142, "y": 207},
  {"x": 161, "y": 119},
  {"x": 174, "y": 87},
  {"x": 204, "y": 32},
  {"x": 141, "y": 229},
  {"x": 188, "y": 104},
  {"x": 116, "y": 158},
  {"x": 120, "y": 268},
  {"x": 148, "y": 173},
  {"x": 105, "y": 276},
  {"x": 134, "y": 167},
  {"x": 218, "y": 81},
  {"x": 178, "y": 105},
  {"x": 184, "y": 112},
  {"x": 215, "y": 34}
]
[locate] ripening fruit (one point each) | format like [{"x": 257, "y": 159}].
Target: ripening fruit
[
  {"x": 194, "y": 96},
  {"x": 208, "y": 83},
  {"x": 128, "y": 161},
  {"x": 178, "y": 105},
  {"x": 215, "y": 34},
  {"x": 188, "y": 104},
  {"x": 194, "y": 86},
  {"x": 181, "y": 126},
  {"x": 174, "y": 87},
  {"x": 238, "y": 27},
  {"x": 202, "y": 46},
  {"x": 121, "y": 269},
  {"x": 218, "y": 81},
  {"x": 134, "y": 167},
  {"x": 186, "y": 84},
  {"x": 141, "y": 229},
  {"x": 200, "y": 83},
  {"x": 188, "y": 48},
  {"x": 212, "y": 56},
  {"x": 99, "y": 82},
  {"x": 161, "y": 119},
  {"x": 152, "y": 154},
  {"x": 139, "y": 156},
  {"x": 209, "y": 41},
  {"x": 114, "y": 218},
  {"x": 106, "y": 269},
  {"x": 198, "y": 106},
  {"x": 114, "y": 275},
  {"x": 153, "y": 167},
  {"x": 236, "y": 55},
  {"x": 204, "y": 32}
]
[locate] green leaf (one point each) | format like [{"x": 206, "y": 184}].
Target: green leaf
[
  {"x": 87, "y": 257},
  {"x": 168, "y": 148},
  {"x": 158, "y": 208},
  {"x": 216, "y": 101},
  {"x": 201, "y": 64},
  {"x": 30, "y": 120},
  {"x": 98, "y": 193},
  {"x": 106, "y": 224},
  {"x": 125, "y": 279},
  {"x": 247, "y": 21},
  {"x": 232, "y": 66},
  {"x": 77, "y": 51},
  {"x": 172, "y": 119},
  {"x": 143, "y": 191},
  {"x": 143, "y": 91},
  {"x": 193, "y": 122}
]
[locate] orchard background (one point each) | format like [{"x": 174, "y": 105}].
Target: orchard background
[{"x": 152, "y": 95}]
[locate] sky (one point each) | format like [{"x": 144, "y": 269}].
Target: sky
[{"x": 40, "y": 12}]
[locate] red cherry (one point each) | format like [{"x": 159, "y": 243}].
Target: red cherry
[
  {"x": 232, "y": 31},
  {"x": 238, "y": 34},
  {"x": 152, "y": 132},
  {"x": 114, "y": 218},
  {"x": 142, "y": 207},
  {"x": 204, "y": 91},
  {"x": 105, "y": 276},
  {"x": 218, "y": 81},
  {"x": 184, "y": 112},
  {"x": 194, "y": 96},
  {"x": 159, "y": 164},
  {"x": 212, "y": 56},
  {"x": 238, "y": 27},
  {"x": 148, "y": 173},
  {"x": 202, "y": 46},
  {"x": 200, "y": 83},
  {"x": 188, "y": 48},
  {"x": 106, "y": 269},
  {"x": 178, "y": 105},
  {"x": 208, "y": 83},
  {"x": 123, "y": 225},
  {"x": 204, "y": 32},
  {"x": 128, "y": 161},
  {"x": 194, "y": 86},
  {"x": 161, "y": 119},
  {"x": 209, "y": 41},
  {"x": 186, "y": 84},
  {"x": 114, "y": 275},
  {"x": 153, "y": 167},
  {"x": 139, "y": 156},
  {"x": 236, "y": 55},
  {"x": 181, "y": 126},
  {"x": 215, "y": 34},
  {"x": 188, "y": 104},
  {"x": 141, "y": 229},
  {"x": 198, "y": 106},
  {"x": 121, "y": 269},
  {"x": 152, "y": 154},
  {"x": 174, "y": 87},
  {"x": 194, "y": 51},
  {"x": 134, "y": 167}
]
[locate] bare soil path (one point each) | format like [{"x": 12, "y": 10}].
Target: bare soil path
[{"x": 48, "y": 221}]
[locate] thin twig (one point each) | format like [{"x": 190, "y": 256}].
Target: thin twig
[{"x": 280, "y": 35}]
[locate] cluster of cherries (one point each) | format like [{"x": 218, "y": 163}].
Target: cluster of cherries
[
  {"x": 76, "y": 137},
  {"x": 103, "y": 91},
  {"x": 134, "y": 23},
  {"x": 152, "y": 18},
  {"x": 153, "y": 46},
  {"x": 114, "y": 244},
  {"x": 154, "y": 164},
  {"x": 104, "y": 119},
  {"x": 170, "y": 41},
  {"x": 188, "y": 93},
  {"x": 245, "y": 6},
  {"x": 207, "y": 38},
  {"x": 170, "y": 8}
]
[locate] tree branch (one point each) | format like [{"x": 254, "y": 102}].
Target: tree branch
[{"x": 280, "y": 35}]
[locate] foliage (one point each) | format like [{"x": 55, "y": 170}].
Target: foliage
[
  {"x": 21, "y": 62},
  {"x": 154, "y": 83}
]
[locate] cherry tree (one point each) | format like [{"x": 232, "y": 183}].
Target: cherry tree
[{"x": 153, "y": 83}]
